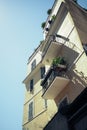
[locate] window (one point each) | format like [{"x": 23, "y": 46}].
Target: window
[
  {"x": 31, "y": 85},
  {"x": 30, "y": 111},
  {"x": 42, "y": 72},
  {"x": 33, "y": 65},
  {"x": 45, "y": 102},
  {"x": 85, "y": 48}
]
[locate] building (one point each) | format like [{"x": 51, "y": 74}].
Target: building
[
  {"x": 59, "y": 98},
  {"x": 37, "y": 111},
  {"x": 65, "y": 50}
]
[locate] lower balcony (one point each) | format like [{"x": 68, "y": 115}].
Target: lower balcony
[{"x": 54, "y": 82}]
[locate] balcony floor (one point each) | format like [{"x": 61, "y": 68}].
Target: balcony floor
[{"x": 55, "y": 88}]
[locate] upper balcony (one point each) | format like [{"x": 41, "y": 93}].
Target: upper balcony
[
  {"x": 50, "y": 51},
  {"x": 54, "y": 82},
  {"x": 52, "y": 48}
]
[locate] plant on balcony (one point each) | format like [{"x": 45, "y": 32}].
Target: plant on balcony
[
  {"x": 53, "y": 17},
  {"x": 59, "y": 62},
  {"x": 43, "y": 25},
  {"x": 49, "y": 11}
]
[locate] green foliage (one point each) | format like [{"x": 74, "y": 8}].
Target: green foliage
[
  {"x": 43, "y": 25},
  {"x": 58, "y": 60},
  {"x": 49, "y": 11},
  {"x": 53, "y": 17}
]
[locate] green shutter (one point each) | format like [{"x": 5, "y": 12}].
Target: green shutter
[{"x": 30, "y": 110}]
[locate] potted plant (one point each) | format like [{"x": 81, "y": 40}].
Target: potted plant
[
  {"x": 53, "y": 17},
  {"x": 49, "y": 11},
  {"x": 43, "y": 25},
  {"x": 59, "y": 62}
]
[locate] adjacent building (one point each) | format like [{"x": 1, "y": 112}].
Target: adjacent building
[{"x": 56, "y": 83}]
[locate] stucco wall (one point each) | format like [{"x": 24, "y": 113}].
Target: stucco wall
[
  {"x": 76, "y": 61},
  {"x": 42, "y": 114}
]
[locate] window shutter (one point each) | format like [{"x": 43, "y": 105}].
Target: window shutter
[
  {"x": 33, "y": 65},
  {"x": 30, "y": 110},
  {"x": 45, "y": 100},
  {"x": 42, "y": 72},
  {"x": 31, "y": 85}
]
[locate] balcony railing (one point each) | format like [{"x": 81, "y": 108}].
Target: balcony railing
[
  {"x": 55, "y": 80},
  {"x": 57, "y": 42}
]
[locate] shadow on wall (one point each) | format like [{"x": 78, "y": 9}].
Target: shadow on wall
[
  {"x": 58, "y": 122},
  {"x": 79, "y": 81},
  {"x": 79, "y": 77}
]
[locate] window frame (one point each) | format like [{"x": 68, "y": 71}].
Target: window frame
[
  {"x": 31, "y": 110},
  {"x": 42, "y": 71},
  {"x": 31, "y": 85},
  {"x": 45, "y": 103},
  {"x": 33, "y": 64}
]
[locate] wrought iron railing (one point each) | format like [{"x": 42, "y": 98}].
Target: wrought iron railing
[{"x": 51, "y": 75}]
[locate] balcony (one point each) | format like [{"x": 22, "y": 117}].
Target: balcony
[
  {"x": 54, "y": 82},
  {"x": 51, "y": 50}
]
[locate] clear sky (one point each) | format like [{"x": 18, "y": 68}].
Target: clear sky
[{"x": 20, "y": 34}]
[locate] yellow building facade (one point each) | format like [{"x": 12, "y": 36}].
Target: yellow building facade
[
  {"x": 37, "y": 111},
  {"x": 66, "y": 46},
  {"x": 57, "y": 71},
  {"x": 69, "y": 42}
]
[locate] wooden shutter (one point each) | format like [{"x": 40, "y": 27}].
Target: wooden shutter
[
  {"x": 30, "y": 110},
  {"x": 31, "y": 85},
  {"x": 42, "y": 72}
]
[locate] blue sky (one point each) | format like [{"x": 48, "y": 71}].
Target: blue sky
[{"x": 20, "y": 34}]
